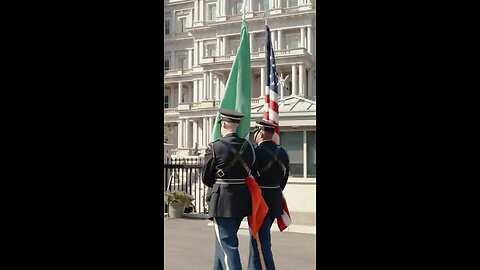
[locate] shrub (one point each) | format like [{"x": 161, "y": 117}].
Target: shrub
[{"x": 177, "y": 196}]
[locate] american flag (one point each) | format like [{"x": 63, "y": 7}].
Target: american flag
[{"x": 270, "y": 112}]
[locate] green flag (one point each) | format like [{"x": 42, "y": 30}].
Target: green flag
[{"x": 238, "y": 89}]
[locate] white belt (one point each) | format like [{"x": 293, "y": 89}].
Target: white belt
[{"x": 221, "y": 181}]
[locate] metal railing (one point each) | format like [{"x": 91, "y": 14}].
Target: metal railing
[
  {"x": 253, "y": 55},
  {"x": 169, "y": 110},
  {"x": 185, "y": 174},
  {"x": 292, "y": 9}
]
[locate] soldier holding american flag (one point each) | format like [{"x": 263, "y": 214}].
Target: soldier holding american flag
[
  {"x": 272, "y": 169},
  {"x": 271, "y": 173}
]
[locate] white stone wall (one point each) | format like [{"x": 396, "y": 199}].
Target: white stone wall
[{"x": 301, "y": 195}]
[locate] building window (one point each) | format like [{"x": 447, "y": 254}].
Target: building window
[
  {"x": 182, "y": 62},
  {"x": 261, "y": 48},
  {"x": 293, "y": 142},
  {"x": 166, "y": 64},
  {"x": 214, "y": 87},
  {"x": 266, "y": 4},
  {"x": 212, "y": 12},
  {"x": 165, "y": 101},
  {"x": 234, "y": 46},
  {"x": 210, "y": 50},
  {"x": 165, "y": 134},
  {"x": 292, "y": 3},
  {"x": 294, "y": 43},
  {"x": 311, "y": 154},
  {"x": 166, "y": 27},
  {"x": 183, "y": 24},
  {"x": 237, "y": 8}
]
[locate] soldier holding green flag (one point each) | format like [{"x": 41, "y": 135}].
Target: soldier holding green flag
[{"x": 229, "y": 160}]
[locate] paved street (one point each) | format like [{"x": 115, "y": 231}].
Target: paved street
[{"x": 189, "y": 245}]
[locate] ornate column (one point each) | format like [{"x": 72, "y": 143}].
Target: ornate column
[
  {"x": 217, "y": 88},
  {"x": 200, "y": 90},
  {"x": 180, "y": 133},
  {"x": 294, "y": 79},
  {"x": 218, "y": 47},
  {"x": 204, "y": 90},
  {"x": 262, "y": 82},
  {"x": 195, "y": 90},
  {"x": 210, "y": 120},
  {"x": 194, "y": 133},
  {"x": 208, "y": 130},
  {"x": 302, "y": 37},
  {"x": 274, "y": 39},
  {"x": 195, "y": 9},
  {"x": 172, "y": 60},
  {"x": 204, "y": 131},
  {"x": 201, "y": 10},
  {"x": 180, "y": 92},
  {"x": 210, "y": 85},
  {"x": 301, "y": 84},
  {"x": 280, "y": 40},
  {"x": 309, "y": 92},
  {"x": 187, "y": 133}
]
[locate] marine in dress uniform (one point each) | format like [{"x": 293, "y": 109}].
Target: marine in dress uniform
[
  {"x": 271, "y": 172},
  {"x": 228, "y": 161}
]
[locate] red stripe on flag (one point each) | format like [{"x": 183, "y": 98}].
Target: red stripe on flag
[
  {"x": 284, "y": 220},
  {"x": 274, "y": 106}
]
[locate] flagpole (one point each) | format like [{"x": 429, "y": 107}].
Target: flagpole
[
  {"x": 243, "y": 10},
  {"x": 260, "y": 252},
  {"x": 265, "y": 14}
]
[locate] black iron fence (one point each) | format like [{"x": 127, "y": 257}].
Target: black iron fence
[{"x": 185, "y": 174}]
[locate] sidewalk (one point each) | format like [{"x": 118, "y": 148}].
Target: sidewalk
[{"x": 189, "y": 245}]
